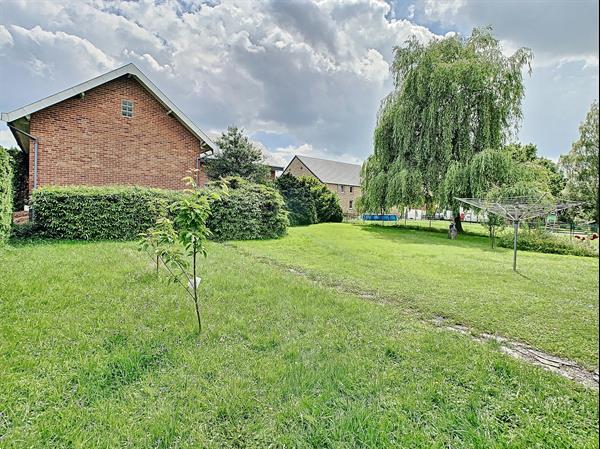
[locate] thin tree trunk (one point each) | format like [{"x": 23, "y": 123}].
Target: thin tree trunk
[
  {"x": 458, "y": 224},
  {"x": 196, "y": 290}
]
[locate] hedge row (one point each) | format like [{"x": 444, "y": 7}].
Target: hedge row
[
  {"x": 97, "y": 213},
  {"x": 544, "y": 242},
  {"x": 6, "y": 196},
  {"x": 248, "y": 212},
  {"x": 20, "y": 167}
]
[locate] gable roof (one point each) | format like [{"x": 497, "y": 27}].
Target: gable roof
[
  {"x": 332, "y": 172},
  {"x": 130, "y": 70}
]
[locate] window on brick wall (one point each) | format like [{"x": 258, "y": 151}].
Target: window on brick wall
[
  {"x": 351, "y": 189},
  {"x": 127, "y": 108},
  {"x": 350, "y": 204},
  {"x": 341, "y": 188}
]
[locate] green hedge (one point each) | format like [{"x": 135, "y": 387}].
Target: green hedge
[
  {"x": 544, "y": 242},
  {"x": 20, "y": 168},
  {"x": 6, "y": 196},
  {"x": 299, "y": 200},
  {"x": 248, "y": 212},
  {"x": 98, "y": 213}
]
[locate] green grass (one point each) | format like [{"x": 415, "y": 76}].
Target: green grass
[
  {"x": 96, "y": 351},
  {"x": 552, "y": 303}
]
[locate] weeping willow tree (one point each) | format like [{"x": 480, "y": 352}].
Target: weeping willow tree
[{"x": 452, "y": 99}]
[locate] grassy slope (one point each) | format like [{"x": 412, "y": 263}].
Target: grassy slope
[
  {"x": 552, "y": 304},
  {"x": 98, "y": 352}
]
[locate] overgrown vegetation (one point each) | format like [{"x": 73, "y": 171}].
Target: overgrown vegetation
[
  {"x": 98, "y": 213},
  {"x": 248, "y": 211},
  {"x": 6, "y": 196},
  {"x": 545, "y": 242},
  {"x": 20, "y": 167}
]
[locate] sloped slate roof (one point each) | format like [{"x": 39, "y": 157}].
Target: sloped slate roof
[
  {"x": 130, "y": 70},
  {"x": 332, "y": 172}
]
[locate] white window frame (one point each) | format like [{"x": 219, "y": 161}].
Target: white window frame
[{"x": 127, "y": 108}]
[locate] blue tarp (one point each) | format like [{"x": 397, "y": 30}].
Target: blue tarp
[{"x": 384, "y": 217}]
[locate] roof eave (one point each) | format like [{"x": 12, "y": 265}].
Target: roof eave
[{"x": 129, "y": 69}]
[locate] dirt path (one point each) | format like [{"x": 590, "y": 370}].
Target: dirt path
[{"x": 566, "y": 368}]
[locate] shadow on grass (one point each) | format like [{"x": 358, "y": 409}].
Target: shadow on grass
[{"x": 426, "y": 236}]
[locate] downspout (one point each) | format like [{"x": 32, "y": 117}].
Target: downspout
[{"x": 35, "y": 154}]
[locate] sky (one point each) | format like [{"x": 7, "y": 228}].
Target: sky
[{"x": 301, "y": 77}]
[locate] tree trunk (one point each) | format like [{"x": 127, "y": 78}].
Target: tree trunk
[
  {"x": 196, "y": 290},
  {"x": 458, "y": 224}
]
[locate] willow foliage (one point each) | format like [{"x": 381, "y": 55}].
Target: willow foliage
[{"x": 452, "y": 99}]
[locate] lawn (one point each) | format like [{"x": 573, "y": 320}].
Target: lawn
[
  {"x": 551, "y": 303},
  {"x": 97, "y": 351}
]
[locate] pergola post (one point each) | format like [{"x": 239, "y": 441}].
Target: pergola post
[{"x": 516, "y": 226}]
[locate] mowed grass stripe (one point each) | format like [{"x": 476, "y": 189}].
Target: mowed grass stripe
[{"x": 551, "y": 304}]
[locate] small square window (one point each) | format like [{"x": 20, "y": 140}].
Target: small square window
[{"x": 127, "y": 108}]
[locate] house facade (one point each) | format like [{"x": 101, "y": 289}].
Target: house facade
[
  {"x": 116, "y": 129},
  {"x": 339, "y": 177}
]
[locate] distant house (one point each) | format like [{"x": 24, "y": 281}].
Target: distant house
[
  {"x": 340, "y": 177},
  {"x": 118, "y": 128}
]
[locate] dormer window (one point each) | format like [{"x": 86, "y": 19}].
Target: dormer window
[{"x": 127, "y": 108}]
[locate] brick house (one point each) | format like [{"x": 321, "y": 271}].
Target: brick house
[
  {"x": 340, "y": 177},
  {"x": 118, "y": 128}
]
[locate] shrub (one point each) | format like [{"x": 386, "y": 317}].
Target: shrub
[
  {"x": 24, "y": 231},
  {"x": 98, "y": 213},
  {"x": 6, "y": 196},
  {"x": 20, "y": 168},
  {"x": 299, "y": 200},
  {"x": 327, "y": 203},
  {"x": 544, "y": 242},
  {"x": 249, "y": 211}
]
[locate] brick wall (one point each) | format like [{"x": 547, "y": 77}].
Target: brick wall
[
  {"x": 87, "y": 141},
  {"x": 297, "y": 168}
]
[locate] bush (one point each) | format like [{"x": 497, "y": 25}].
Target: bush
[
  {"x": 24, "y": 231},
  {"x": 298, "y": 200},
  {"x": 98, "y": 213},
  {"x": 250, "y": 211},
  {"x": 327, "y": 203},
  {"x": 544, "y": 242},
  {"x": 20, "y": 168},
  {"x": 6, "y": 196}
]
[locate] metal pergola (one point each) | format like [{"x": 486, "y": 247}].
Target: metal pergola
[{"x": 517, "y": 209}]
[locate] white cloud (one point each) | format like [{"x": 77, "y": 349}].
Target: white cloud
[
  {"x": 6, "y": 138},
  {"x": 5, "y": 37},
  {"x": 313, "y": 70}
]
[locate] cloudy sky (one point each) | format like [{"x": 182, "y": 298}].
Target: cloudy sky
[{"x": 300, "y": 76}]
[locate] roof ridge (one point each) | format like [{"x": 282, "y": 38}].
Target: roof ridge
[
  {"x": 127, "y": 69},
  {"x": 327, "y": 160}
]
